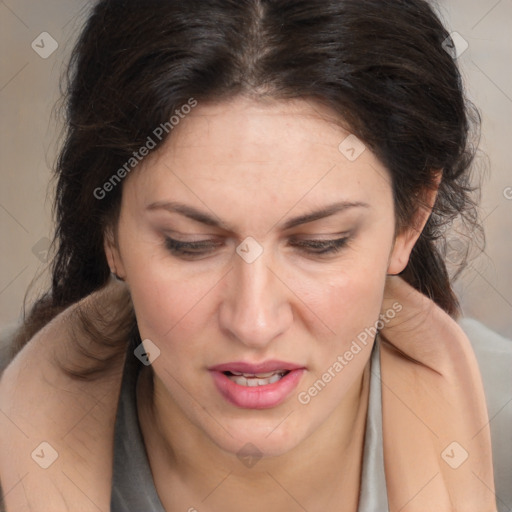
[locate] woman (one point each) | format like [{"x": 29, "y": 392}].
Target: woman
[{"x": 256, "y": 174}]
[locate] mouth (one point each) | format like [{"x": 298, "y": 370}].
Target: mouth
[
  {"x": 253, "y": 380},
  {"x": 256, "y": 386}
]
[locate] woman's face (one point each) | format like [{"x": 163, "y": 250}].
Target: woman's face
[{"x": 239, "y": 176}]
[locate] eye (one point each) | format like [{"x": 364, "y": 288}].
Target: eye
[
  {"x": 321, "y": 247},
  {"x": 190, "y": 249},
  {"x": 205, "y": 247}
]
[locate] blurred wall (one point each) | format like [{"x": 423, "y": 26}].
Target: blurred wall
[{"x": 35, "y": 39}]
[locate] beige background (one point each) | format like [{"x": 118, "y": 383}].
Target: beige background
[{"x": 29, "y": 137}]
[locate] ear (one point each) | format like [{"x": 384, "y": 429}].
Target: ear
[
  {"x": 115, "y": 262},
  {"x": 405, "y": 240}
]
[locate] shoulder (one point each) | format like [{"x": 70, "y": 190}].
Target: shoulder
[
  {"x": 47, "y": 415},
  {"x": 494, "y": 356}
]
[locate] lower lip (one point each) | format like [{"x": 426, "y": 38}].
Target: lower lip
[{"x": 257, "y": 397}]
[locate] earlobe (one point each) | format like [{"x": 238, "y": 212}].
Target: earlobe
[
  {"x": 113, "y": 257},
  {"x": 407, "y": 238},
  {"x": 401, "y": 252}
]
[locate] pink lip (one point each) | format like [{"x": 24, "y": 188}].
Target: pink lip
[
  {"x": 258, "y": 397},
  {"x": 266, "y": 366}
]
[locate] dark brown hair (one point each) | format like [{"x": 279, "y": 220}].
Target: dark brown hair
[{"x": 380, "y": 66}]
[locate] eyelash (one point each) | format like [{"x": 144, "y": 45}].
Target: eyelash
[{"x": 203, "y": 247}]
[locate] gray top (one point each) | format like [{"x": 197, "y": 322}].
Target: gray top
[{"x": 133, "y": 488}]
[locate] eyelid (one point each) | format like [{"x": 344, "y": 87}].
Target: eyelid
[
  {"x": 314, "y": 238},
  {"x": 193, "y": 243},
  {"x": 310, "y": 246},
  {"x": 323, "y": 247}
]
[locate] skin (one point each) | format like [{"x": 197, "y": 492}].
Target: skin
[{"x": 254, "y": 165}]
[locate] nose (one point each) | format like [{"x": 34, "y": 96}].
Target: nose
[{"x": 257, "y": 307}]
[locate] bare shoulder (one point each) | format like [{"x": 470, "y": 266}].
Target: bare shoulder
[{"x": 56, "y": 446}]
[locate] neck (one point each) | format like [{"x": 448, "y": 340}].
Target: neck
[{"x": 324, "y": 470}]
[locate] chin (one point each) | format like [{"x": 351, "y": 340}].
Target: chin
[{"x": 270, "y": 439}]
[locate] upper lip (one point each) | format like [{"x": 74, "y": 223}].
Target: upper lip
[{"x": 264, "y": 367}]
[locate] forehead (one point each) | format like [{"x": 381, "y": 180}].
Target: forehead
[
  {"x": 252, "y": 131},
  {"x": 286, "y": 148}
]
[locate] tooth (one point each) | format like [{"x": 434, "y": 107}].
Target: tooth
[
  {"x": 254, "y": 382},
  {"x": 260, "y": 375},
  {"x": 275, "y": 378}
]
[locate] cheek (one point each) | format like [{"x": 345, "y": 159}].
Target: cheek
[
  {"x": 174, "y": 309},
  {"x": 348, "y": 296},
  {"x": 160, "y": 297},
  {"x": 346, "y": 301},
  {"x": 165, "y": 305},
  {"x": 349, "y": 305}
]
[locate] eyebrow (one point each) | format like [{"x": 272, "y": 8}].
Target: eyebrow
[{"x": 210, "y": 220}]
